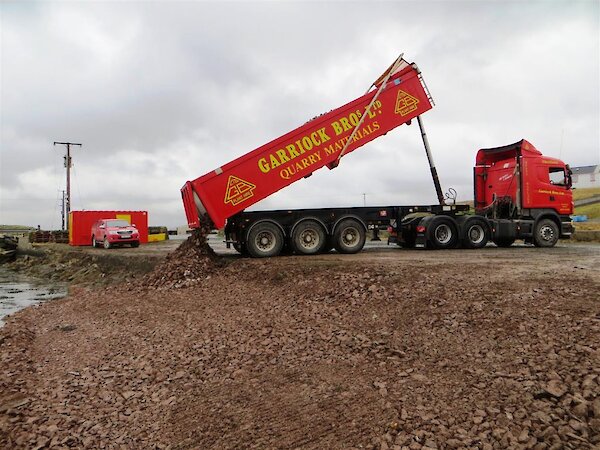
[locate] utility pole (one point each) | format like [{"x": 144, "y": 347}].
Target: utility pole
[
  {"x": 68, "y": 167},
  {"x": 63, "y": 210}
]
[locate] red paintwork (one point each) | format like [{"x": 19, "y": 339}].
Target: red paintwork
[
  {"x": 80, "y": 224},
  {"x": 495, "y": 178},
  {"x": 297, "y": 154}
]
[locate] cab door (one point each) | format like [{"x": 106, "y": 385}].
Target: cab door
[{"x": 546, "y": 185}]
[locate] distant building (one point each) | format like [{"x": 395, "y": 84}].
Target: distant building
[
  {"x": 184, "y": 230},
  {"x": 586, "y": 177}
]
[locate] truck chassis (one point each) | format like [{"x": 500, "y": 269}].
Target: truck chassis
[{"x": 313, "y": 231}]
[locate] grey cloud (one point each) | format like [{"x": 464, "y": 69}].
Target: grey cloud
[{"x": 162, "y": 92}]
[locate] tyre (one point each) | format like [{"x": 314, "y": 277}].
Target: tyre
[
  {"x": 106, "y": 244},
  {"x": 442, "y": 232},
  {"x": 308, "y": 238},
  {"x": 94, "y": 243},
  {"x": 546, "y": 233},
  {"x": 265, "y": 239},
  {"x": 135, "y": 244},
  {"x": 504, "y": 242},
  {"x": 349, "y": 236},
  {"x": 476, "y": 234},
  {"x": 241, "y": 249}
]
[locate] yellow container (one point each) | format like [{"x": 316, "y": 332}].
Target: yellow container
[{"x": 157, "y": 237}]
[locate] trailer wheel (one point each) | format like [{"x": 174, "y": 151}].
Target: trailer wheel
[
  {"x": 442, "y": 232},
  {"x": 265, "y": 239},
  {"x": 241, "y": 249},
  {"x": 308, "y": 237},
  {"x": 349, "y": 236},
  {"x": 504, "y": 242},
  {"x": 476, "y": 234},
  {"x": 546, "y": 233}
]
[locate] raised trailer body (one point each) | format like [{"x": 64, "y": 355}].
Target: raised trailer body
[{"x": 320, "y": 142}]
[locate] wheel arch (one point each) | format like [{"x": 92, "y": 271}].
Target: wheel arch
[{"x": 548, "y": 215}]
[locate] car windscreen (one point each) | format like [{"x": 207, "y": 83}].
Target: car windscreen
[{"x": 117, "y": 223}]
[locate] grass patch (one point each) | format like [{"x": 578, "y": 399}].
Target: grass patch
[
  {"x": 15, "y": 227},
  {"x": 587, "y": 226},
  {"x": 580, "y": 194},
  {"x": 592, "y": 211}
]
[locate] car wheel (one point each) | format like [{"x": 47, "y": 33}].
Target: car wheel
[
  {"x": 135, "y": 244},
  {"x": 94, "y": 243},
  {"x": 106, "y": 244}
]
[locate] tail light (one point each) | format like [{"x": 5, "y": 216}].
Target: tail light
[{"x": 420, "y": 229}]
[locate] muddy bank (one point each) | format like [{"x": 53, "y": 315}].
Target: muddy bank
[
  {"x": 380, "y": 350},
  {"x": 84, "y": 266}
]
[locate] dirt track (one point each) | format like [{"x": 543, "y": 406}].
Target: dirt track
[{"x": 497, "y": 348}]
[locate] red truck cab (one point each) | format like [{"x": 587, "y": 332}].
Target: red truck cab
[
  {"x": 112, "y": 232},
  {"x": 517, "y": 183}
]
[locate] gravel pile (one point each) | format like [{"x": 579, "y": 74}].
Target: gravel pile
[
  {"x": 328, "y": 352},
  {"x": 191, "y": 263}
]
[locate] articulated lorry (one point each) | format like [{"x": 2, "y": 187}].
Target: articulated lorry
[{"x": 519, "y": 193}]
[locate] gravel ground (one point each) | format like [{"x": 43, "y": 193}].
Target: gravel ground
[{"x": 386, "y": 349}]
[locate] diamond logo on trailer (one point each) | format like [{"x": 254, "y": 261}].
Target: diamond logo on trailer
[
  {"x": 405, "y": 103},
  {"x": 238, "y": 190}
]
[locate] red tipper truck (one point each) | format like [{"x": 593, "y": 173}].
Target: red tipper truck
[{"x": 522, "y": 202}]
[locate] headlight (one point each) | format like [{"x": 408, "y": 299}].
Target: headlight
[{"x": 113, "y": 232}]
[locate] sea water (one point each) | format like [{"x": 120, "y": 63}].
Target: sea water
[{"x": 18, "y": 292}]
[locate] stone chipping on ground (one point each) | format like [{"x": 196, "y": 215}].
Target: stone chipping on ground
[{"x": 417, "y": 350}]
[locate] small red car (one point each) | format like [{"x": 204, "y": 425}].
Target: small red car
[{"x": 111, "y": 232}]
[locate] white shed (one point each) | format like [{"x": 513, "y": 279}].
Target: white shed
[{"x": 586, "y": 177}]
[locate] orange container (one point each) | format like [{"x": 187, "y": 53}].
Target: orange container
[{"x": 80, "y": 224}]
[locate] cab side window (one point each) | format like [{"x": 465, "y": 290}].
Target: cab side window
[{"x": 557, "y": 176}]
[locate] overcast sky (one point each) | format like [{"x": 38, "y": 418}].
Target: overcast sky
[{"x": 162, "y": 92}]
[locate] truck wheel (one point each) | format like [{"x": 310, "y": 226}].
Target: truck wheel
[
  {"x": 546, "y": 233},
  {"x": 264, "y": 240},
  {"x": 241, "y": 249},
  {"x": 106, "y": 244},
  {"x": 308, "y": 237},
  {"x": 442, "y": 232},
  {"x": 504, "y": 242},
  {"x": 476, "y": 234},
  {"x": 349, "y": 236}
]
